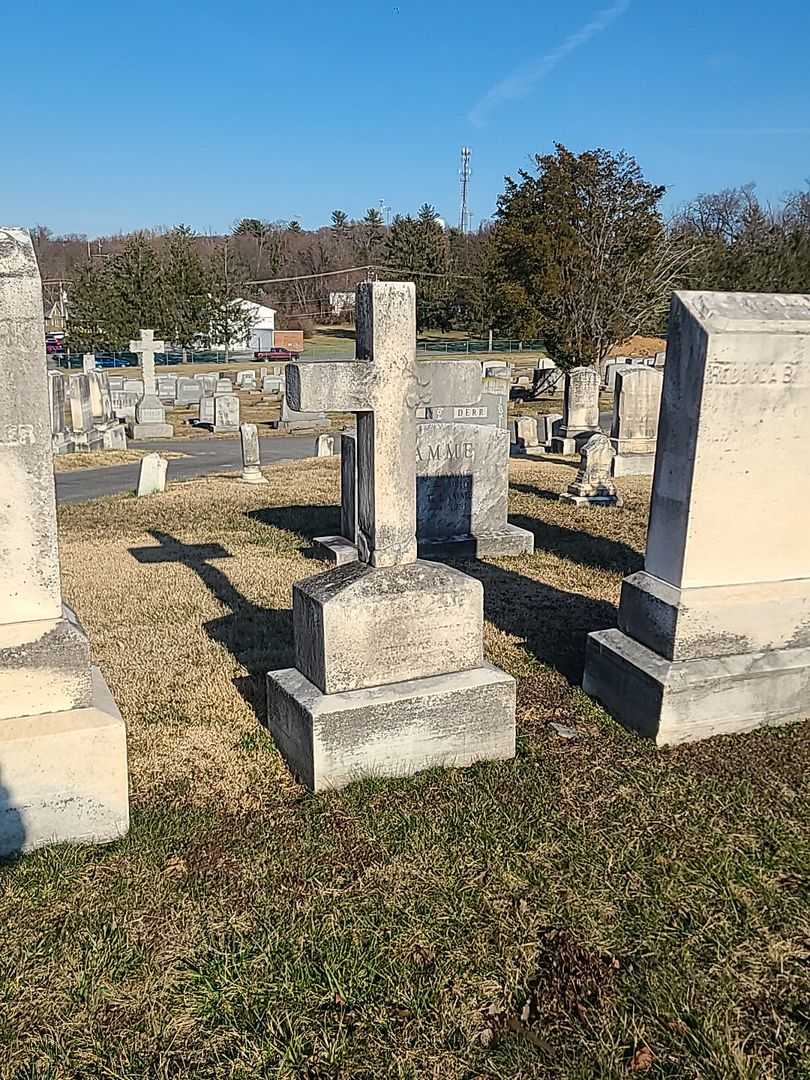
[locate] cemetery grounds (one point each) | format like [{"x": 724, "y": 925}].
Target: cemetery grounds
[{"x": 595, "y": 908}]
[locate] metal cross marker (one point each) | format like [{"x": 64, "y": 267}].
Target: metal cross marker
[
  {"x": 384, "y": 386},
  {"x": 146, "y": 348}
]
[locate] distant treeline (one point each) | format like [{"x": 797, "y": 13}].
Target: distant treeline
[{"x": 578, "y": 253}]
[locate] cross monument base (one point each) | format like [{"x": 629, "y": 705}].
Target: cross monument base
[{"x": 331, "y": 740}]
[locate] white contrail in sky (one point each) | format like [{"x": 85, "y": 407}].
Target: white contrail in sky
[{"x": 520, "y": 84}]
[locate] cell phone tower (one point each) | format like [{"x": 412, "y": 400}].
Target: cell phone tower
[{"x": 464, "y": 174}]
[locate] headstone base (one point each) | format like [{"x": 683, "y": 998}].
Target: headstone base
[
  {"x": 225, "y": 429},
  {"x": 252, "y": 474},
  {"x": 331, "y": 740},
  {"x": 150, "y": 431},
  {"x": 590, "y": 500},
  {"x": 570, "y": 444},
  {"x": 509, "y": 541},
  {"x": 60, "y": 444},
  {"x": 634, "y": 465},
  {"x": 336, "y": 549},
  {"x": 504, "y": 543},
  {"x": 683, "y": 701},
  {"x": 84, "y": 441},
  {"x": 64, "y": 775},
  {"x": 113, "y": 436},
  {"x": 517, "y": 450}
]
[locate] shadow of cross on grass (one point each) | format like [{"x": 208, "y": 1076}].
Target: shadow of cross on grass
[{"x": 258, "y": 638}]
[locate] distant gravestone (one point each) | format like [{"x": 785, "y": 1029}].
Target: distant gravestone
[
  {"x": 636, "y": 404},
  {"x": 246, "y": 380},
  {"x": 134, "y": 386},
  {"x": 525, "y": 438},
  {"x": 226, "y": 413},
  {"x": 113, "y": 433},
  {"x": 124, "y": 404},
  {"x": 167, "y": 389},
  {"x": 251, "y": 460},
  {"x": 209, "y": 382},
  {"x": 150, "y": 415},
  {"x": 293, "y": 420},
  {"x": 223, "y": 386},
  {"x": 548, "y": 425},
  {"x": 63, "y": 759},
  {"x": 325, "y": 445},
  {"x": 206, "y": 412},
  {"x": 56, "y": 399},
  {"x": 594, "y": 484},
  {"x": 580, "y": 410},
  {"x": 714, "y": 633},
  {"x": 189, "y": 391},
  {"x": 83, "y": 434},
  {"x": 88, "y": 362},
  {"x": 272, "y": 384},
  {"x": 152, "y": 475},
  {"x": 115, "y": 382}
]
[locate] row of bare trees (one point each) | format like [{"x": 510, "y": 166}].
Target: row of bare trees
[{"x": 578, "y": 253}]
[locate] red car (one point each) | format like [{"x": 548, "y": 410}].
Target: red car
[{"x": 276, "y": 354}]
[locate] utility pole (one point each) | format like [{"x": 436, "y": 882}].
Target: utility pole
[{"x": 464, "y": 174}]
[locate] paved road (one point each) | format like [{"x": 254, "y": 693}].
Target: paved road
[{"x": 205, "y": 456}]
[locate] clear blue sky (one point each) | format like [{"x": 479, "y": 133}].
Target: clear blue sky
[{"x": 117, "y": 116}]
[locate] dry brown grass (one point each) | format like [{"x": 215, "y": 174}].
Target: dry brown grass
[
  {"x": 592, "y": 905},
  {"x": 101, "y": 459}
]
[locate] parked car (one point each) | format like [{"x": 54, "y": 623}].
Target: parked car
[
  {"x": 115, "y": 362},
  {"x": 276, "y": 353}
]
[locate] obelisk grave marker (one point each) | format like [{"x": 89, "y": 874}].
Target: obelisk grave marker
[
  {"x": 63, "y": 764},
  {"x": 714, "y": 633},
  {"x": 390, "y": 676}
]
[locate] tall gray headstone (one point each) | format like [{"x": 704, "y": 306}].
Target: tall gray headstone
[
  {"x": 56, "y": 397},
  {"x": 62, "y": 740},
  {"x": 389, "y": 674},
  {"x": 634, "y": 432},
  {"x": 580, "y": 410},
  {"x": 714, "y": 633}
]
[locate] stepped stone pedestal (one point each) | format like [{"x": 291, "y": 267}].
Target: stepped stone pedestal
[
  {"x": 63, "y": 757},
  {"x": 714, "y": 634}
]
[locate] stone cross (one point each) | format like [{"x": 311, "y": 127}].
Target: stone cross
[
  {"x": 384, "y": 386},
  {"x": 146, "y": 348}
]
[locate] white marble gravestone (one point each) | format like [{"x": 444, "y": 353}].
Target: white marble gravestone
[
  {"x": 88, "y": 362},
  {"x": 714, "y": 633},
  {"x": 56, "y": 395},
  {"x": 636, "y": 404},
  {"x": 251, "y": 460},
  {"x": 150, "y": 415},
  {"x": 226, "y": 412},
  {"x": 389, "y": 676},
  {"x": 63, "y": 758},
  {"x": 580, "y": 410},
  {"x": 152, "y": 475},
  {"x": 83, "y": 433},
  {"x": 594, "y": 484}
]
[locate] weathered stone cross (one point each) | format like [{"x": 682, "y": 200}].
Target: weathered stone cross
[
  {"x": 146, "y": 348},
  {"x": 384, "y": 386}
]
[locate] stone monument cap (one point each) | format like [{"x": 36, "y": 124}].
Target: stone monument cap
[{"x": 766, "y": 313}]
